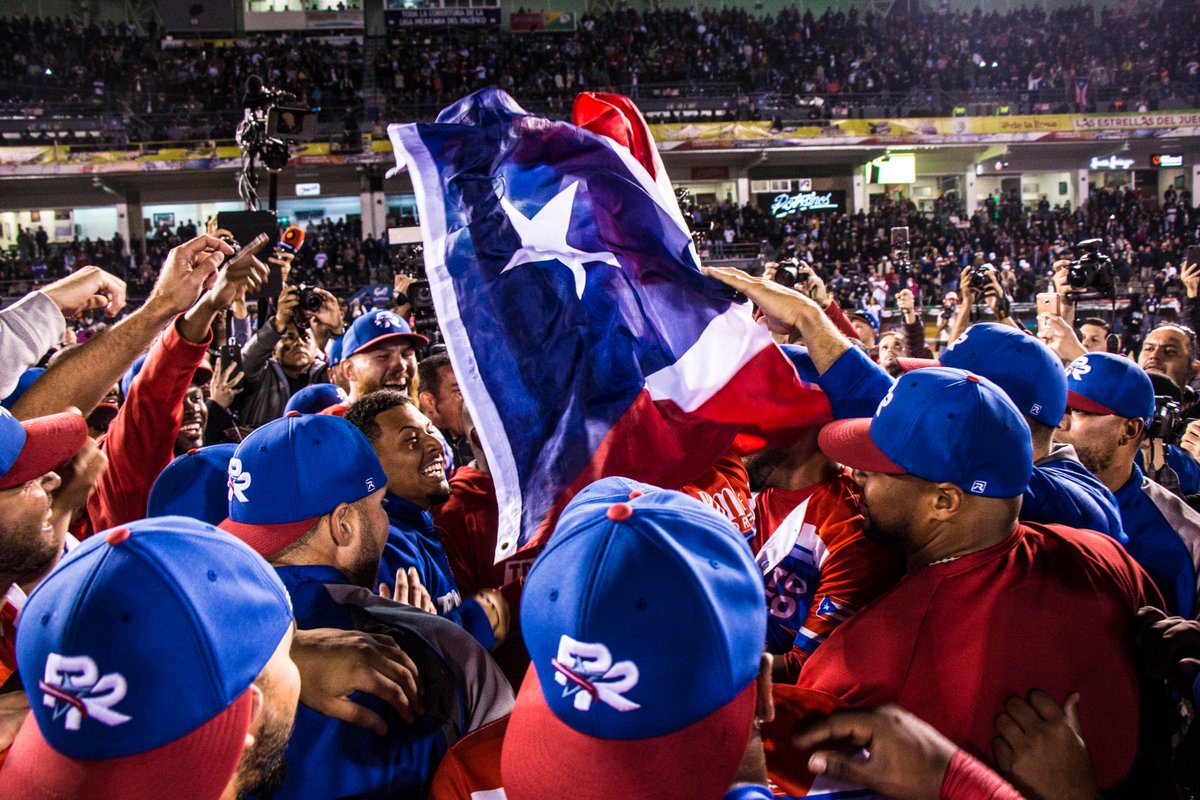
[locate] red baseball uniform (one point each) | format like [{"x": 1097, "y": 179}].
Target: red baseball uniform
[{"x": 1049, "y": 607}]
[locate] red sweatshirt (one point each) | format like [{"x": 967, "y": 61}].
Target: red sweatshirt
[{"x": 141, "y": 440}]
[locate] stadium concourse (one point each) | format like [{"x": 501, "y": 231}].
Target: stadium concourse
[{"x": 431, "y": 399}]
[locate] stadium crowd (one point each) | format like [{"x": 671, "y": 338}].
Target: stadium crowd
[{"x": 1129, "y": 57}]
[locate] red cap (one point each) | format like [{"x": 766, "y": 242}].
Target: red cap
[
  {"x": 266, "y": 540},
  {"x": 909, "y": 364},
  {"x": 49, "y": 441},
  {"x": 849, "y": 442},
  {"x": 197, "y": 766}
]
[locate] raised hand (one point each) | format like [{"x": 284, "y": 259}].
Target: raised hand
[{"x": 85, "y": 289}]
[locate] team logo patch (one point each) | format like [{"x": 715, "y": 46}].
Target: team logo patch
[
  {"x": 387, "y": 319},
  {"x": 834, "y": 609},
  {"x": 586, "y": 671},
  {"x": 979, "y": 487},
  {"x": 75, "y": 689},
  {"x": 239, "y": 480},
  {"x": 1078, "y": 368},
  {"x": 1035, "y": 409}
]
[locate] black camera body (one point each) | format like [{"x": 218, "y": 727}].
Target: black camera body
[
  {"x": 1168, "y": 423},
  {"x": 308, "y": 302},
  {"x": 902, "y": 254},
  {"x": 1092, "y": 271},
  {"x": 980, "y": 276}
]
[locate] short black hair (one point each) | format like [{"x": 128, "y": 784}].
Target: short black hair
[
  {"x": 429, "y": 372},
  {"x": 362, "y": 412},
  {"x": 1099, "y": 323}
]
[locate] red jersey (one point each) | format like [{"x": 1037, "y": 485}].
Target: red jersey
[
  {"x": 818, "y": 567},
  {"x": 726, "y": 488},
  {"x": 140, "y": 442},
  {"x": 467, "y": 525},
  {"x": 1050, "y": 607}
]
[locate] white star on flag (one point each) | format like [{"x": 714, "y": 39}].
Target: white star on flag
[{"x": 544, "y": 237}]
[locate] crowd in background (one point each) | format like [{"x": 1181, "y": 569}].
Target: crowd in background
[
  {"x": 1145, "y": 238},
  {"x": 1129, "y": 57}
]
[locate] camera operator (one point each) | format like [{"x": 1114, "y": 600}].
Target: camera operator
[
  {"x": 282, "y": 358},
  {"x": 1161, "y": 457},
  {"x": 1111, "y": 409},
  {"x": 794, "y": 273}
]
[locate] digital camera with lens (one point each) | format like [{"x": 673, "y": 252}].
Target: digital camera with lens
[{"x": 1092, "y": 271}]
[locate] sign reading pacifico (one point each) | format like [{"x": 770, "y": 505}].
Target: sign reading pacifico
[{"x": 786, "y": 205}]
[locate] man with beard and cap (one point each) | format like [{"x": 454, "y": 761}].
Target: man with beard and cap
[
  {"x": 414, "y": 465},
  {"x": 818, "y": 566},
  {"x": 1111, "y": 402},
  {"x": 306, "y": 492},
  {"x": 379, "y": 351},
  {"x": 943, "y": 465},
  {"x": 156, "y": 663}
]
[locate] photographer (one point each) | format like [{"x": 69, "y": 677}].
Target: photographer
[
  {"x": 794, "y": 273},
  {"x": 980, "y": 284},
  {"x": 1111, "y": 410},
  {"x": 281, "y": 358}
]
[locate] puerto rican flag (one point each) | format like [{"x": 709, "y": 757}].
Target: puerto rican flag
[{"x": 585, "y": 339}]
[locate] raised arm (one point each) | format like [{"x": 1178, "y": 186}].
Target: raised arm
[{"x": 85, "y": 374}]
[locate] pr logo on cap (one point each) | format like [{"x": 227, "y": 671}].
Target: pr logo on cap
[
  {"x": 387, "y": 319},
  {"x": 979, "y": 487},
  {"x": 587, "y": 671},
  {"x": 1078, "y": 368},
  {"x": 239, "y": 481},
  {"x": 76, "y": 683}
]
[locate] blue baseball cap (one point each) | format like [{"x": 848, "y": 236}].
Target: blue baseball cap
[
  {"x": 1022, "y": 365},
  {"x": 868, "y": 317},
  {"x": 23, "y": 383},
  {"x": 941, "y": 425},
  {"x": 375, "y": 327},
  {"x": 134, "y": 370},
  {"x": 291, "y": 472},
  {"x": 194, "y": 485},
  {"x": 34, "y": 447},
  {"x": 137, "y": 653},
  {"x": 315, "y": 398},
  {"x": 1105, "y": 383},
  {"x": 333, "y": 350},
  {"x": 621, "y": 700}
]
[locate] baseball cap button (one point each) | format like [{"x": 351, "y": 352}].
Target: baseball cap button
[
  {"x": 117, "y": 535},
  {"x": 619, "y": 512}
]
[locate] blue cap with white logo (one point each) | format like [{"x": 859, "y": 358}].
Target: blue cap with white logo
[
  {"x": 137, "y": 654},
  {"x": 606, "y": 709},
  {"x": 375, "y": 327},
  {"x": 1022, "y": 365},
  {"x": 315, "y": 398},
  {"x": 194, "y": 485},
  {"x": 1108, "y": 384},
  {"x": 941, "y": 425},
  {"x": 291, "y": 472}
]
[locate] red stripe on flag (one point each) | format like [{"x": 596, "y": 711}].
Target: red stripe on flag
[{"x": 657, "y": 442}]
